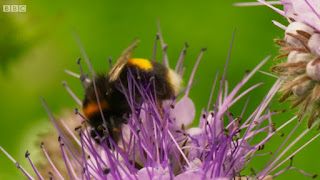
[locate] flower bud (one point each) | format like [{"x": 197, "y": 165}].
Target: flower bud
[
  {"x": 313, "y": 69},
  {"x": 295, "y": 56},
  {"x": 292, "y": 28},
  {"x": 302, "y": 89},
  {"x": 314, "y": 43}
]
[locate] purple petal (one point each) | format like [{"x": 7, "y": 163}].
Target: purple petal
[
  {"x": 193, "y": 175},
  {"x": 314, "y": 43},
  {"x": 308, "y": 11},
  {"x": 288, "y": 8},
  {"x": 198, "y": 140},
  {"x": 156, "y": 174},
  {"x": 183, "y": 112}
]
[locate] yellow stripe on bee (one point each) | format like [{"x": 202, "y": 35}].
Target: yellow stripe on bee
[
  {"x": 93, "y": 108},
  {"x": 141, "y": 63}
]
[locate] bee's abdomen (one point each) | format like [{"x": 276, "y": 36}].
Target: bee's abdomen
[
  {"x": 92, "y": 108},
  {"x": 143, "y": 64},
  {"x": 166, "y": 84}
]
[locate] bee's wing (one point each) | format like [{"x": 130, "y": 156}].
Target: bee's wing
[{"x": 122, "y": 61}]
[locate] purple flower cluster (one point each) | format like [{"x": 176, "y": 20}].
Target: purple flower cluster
[{"x": 159, "y": 145}]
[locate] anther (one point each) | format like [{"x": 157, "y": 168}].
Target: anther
[
  {"x": 64, "y": 84},
  {"x": 50, "y": 175},
  {"x": 17, "y": 165},
  {"x": 314, "y": 176},
  {"x": 106, "y": 171},
  {"x": 260, "y": 147},
  {"x": 291, "y": 158},
  {"x": 78, "y": 60},
  {"x": 183, "y": 127},
  {"x": 165, "y": 47},
  {"x": 27, "y": 154},
  {"x": 77, "y": 128}
]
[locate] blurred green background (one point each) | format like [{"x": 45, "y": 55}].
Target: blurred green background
[{"x": 36, "y": 46}]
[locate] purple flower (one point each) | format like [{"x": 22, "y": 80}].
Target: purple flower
[{"x": 158, "y": 145}]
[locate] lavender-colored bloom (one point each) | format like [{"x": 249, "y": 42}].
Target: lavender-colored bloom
[{"x": 158, "y": 145}]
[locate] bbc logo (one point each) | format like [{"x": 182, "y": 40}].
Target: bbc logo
[{"x": 14, "y": 8}]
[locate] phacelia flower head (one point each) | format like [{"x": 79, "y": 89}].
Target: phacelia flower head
[
  {"x": 300, "y": 50},
  {"x": 157, "y": 143}
]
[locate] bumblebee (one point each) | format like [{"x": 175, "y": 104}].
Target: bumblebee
[{"x": 104, "y": 102}]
